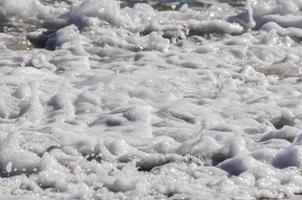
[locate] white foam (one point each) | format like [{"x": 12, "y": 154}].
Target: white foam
[{"x": 115, "y": 102}]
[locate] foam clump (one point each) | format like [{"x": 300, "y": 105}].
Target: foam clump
[
  {"x": 24, "y": 9},
  {"x": 67, "y": 34},
  {"x": 238, "y": 164},
  {"x": 130, "y": 114},
  {"x": 158, "y": 43},
  {"x": 276, "y": 11},
  {"x": 105, "y": 9},
  {"x": 121, "y": 184},
  {"x": 216, "y": 26},
  {"x": 9, "y": 107},
  {"x": 288, "y": 157},
  {"x": 15, "y": 160},
  {"x": 287, "y": 133},
  {"x": 53, "y": 175},
  {"x": 202, "y": 147},
  {"x": 132, "y": 121},
  {"x": 232, "y": 147}
]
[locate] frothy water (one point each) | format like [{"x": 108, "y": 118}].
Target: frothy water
[{"x": 103, "y": 99}]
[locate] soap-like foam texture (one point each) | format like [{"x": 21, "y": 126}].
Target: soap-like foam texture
[{"x": 101, "y": 99}]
